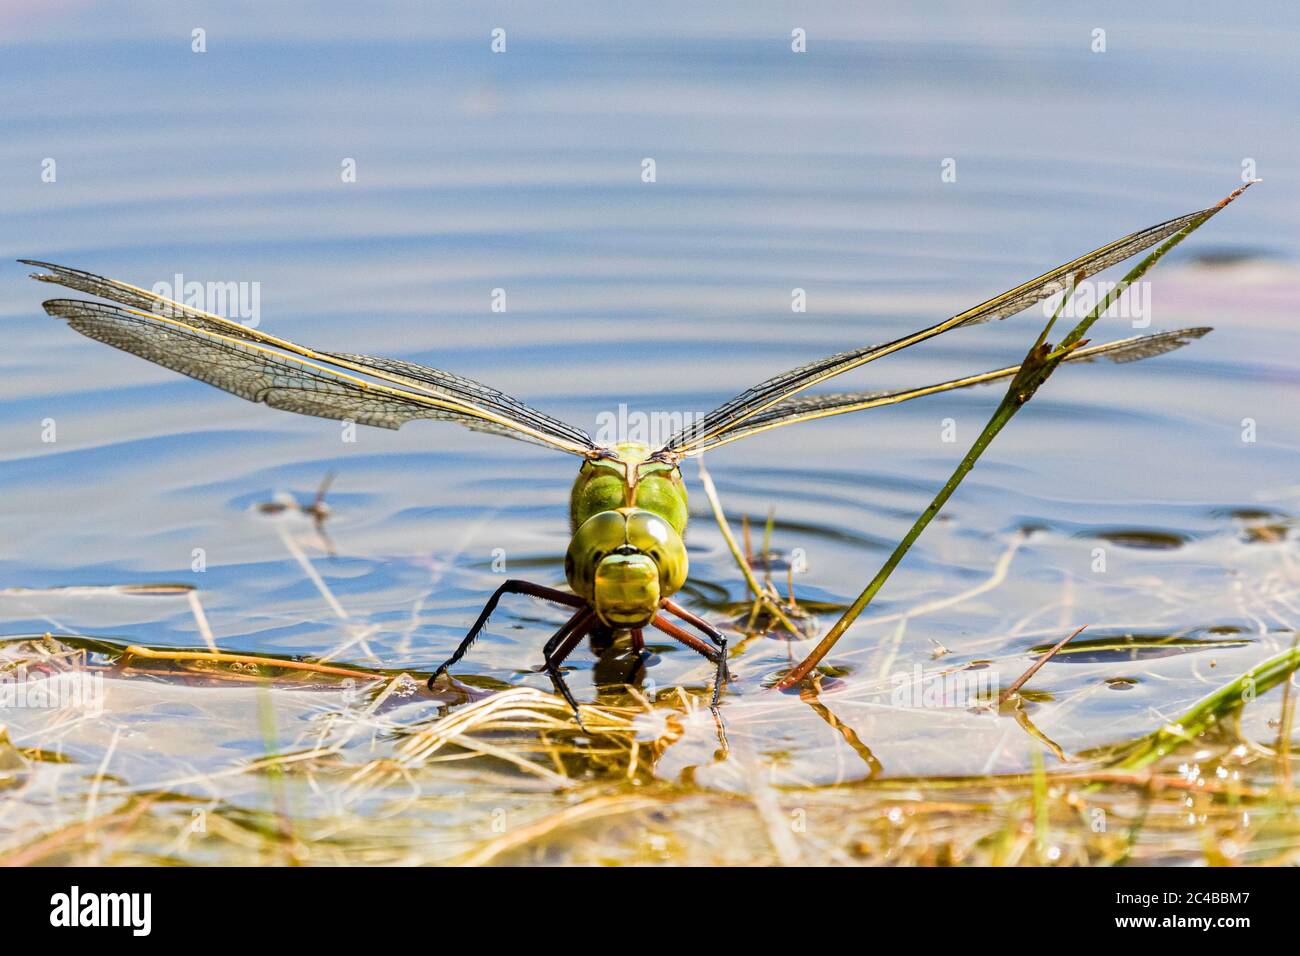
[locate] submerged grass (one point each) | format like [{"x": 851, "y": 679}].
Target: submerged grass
[
  {"x": 509, "y": 779},
  {"x": 1225, "y": 702}
]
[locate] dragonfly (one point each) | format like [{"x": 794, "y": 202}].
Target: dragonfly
[{"x": 628, "y": 505}]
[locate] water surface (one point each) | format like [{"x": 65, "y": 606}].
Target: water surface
[{"x": 774, "y": 171}]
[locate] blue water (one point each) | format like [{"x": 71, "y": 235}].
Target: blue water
[{"x": 521, "y": 171}]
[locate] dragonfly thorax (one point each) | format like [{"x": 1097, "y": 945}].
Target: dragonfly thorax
[
  {"x": 625, "y": 562},
  {"x": 628, "y": 478}
]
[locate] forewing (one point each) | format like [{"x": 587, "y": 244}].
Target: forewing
[
  {"x": 255, "y": 372},
  {"x": 476, "y": 393},
  {"x": 479, "y": 406},
  {"x": 811, "y": 407},
  {"x": 701, "y": 433}
]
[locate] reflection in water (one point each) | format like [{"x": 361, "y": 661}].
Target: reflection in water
[{"x": 810, "y": 697}]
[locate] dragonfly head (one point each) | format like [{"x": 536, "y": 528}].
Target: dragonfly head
[
  {"x": 626, "y": 589},
  {"x": 625, "y": 562}
]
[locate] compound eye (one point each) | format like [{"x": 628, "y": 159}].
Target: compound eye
[
  {"x": 598, "y": 536},
  {"x": 606, "y": 527},
  {"x": 648, "y": 532},
  {"x": 653, "y": 535}
]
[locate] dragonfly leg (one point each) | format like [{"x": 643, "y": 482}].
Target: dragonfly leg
[
  {"x": 715, "y": 635},
  {"x": 510, "y": 587},
  {"x": 559, "y": 647},
  {"x": 717, "y": 655},
  {"x": 559, "y": 637},
  {"x": 711, "y": 632}
]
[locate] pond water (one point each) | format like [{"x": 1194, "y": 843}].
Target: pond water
[{"x": 1153, "y": 502}]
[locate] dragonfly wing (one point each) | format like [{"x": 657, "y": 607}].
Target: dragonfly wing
[
  {"x": 479, "y": 406},
  {"x": 142, "y": 299},
  {"x": 811, "y": 407},
  {"x": 1140, "y": 347},
  {"x": 701, "y": 433},
  {"x": 258, "y": 373},
  {"x": 422, "y": 376}
]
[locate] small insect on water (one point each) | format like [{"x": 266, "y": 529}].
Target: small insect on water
[
  {"x": 628, "y": 506},
  {"x": 318, "y": 511}
]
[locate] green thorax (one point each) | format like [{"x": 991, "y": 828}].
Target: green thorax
[{"x": 603, "y": 485}]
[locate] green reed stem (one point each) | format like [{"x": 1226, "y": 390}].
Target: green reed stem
[
  {"x": 1041, "y": 361},
  {"x": 1206, "y": 712}
]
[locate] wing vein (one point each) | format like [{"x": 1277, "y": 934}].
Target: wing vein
[
  {"x": 734, "y": 413},
  {"x": 460, "y": 399}
]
